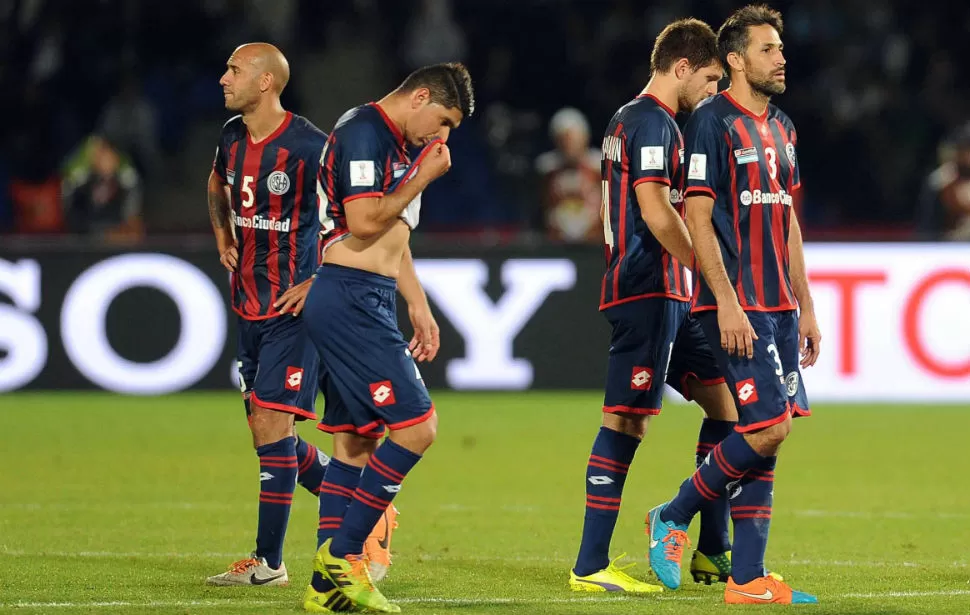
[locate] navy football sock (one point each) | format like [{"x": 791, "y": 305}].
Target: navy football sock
[
  {"x": 727, "y": 462},
  {"x": 336, "y": 492},
  {"x": 379, "y": 483},
  {"x": 751, "y": 513},
  {"x": 312, "y": 465},
  {"x": 277, "y": 481},
  {"x": 606, "y": 473},
  {"x": 714, "y": 537}
]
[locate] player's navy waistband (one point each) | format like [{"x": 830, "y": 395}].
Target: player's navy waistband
[{"x": 332, "y": 270}]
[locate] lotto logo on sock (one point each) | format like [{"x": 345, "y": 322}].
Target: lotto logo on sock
[
  {"x": 294, "y": 377},
  {"x": 642, "y": 377},
  {"x": 382, "y": 393},
  {"x": 747, "y": 394}
]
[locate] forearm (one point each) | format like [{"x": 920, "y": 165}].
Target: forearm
[
  {"x": 796, "y": 268},
  {"x": 408, "y": 282},
  {"x": 390, "y": 206},
  {"x": 219, "y": 210},
  {"x": 666, "y": 225},
  {"x": 707, "y": 251}
]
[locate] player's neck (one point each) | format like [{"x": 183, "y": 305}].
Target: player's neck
[
  {"x": 747, "y": 97},
  {"x": 263, "y": 121},
  {"x": 663, "y": 91},
  {"x": 395, "y": 107}
]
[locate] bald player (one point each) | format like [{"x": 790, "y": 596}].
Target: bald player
[{"x": 263, "y": 208}]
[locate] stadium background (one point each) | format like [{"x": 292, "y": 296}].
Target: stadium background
[{"x": 137, "y": 304}]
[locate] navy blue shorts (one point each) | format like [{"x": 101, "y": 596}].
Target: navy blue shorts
[
  {"x": 654, "y": 341},
  {"x": 370, "y": 380},
  {"x": 768, "y": 386},
  {"x": 278, "y": 366}
]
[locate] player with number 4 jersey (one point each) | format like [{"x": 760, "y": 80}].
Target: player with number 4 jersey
[{"x": 751, "y": 298}]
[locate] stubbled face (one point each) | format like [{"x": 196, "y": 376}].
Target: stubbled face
[
  {"x": 764, "y": 62},
  {"x": 240, "y": 82},
  {"x": 429, "y": 120},
  {"x": 700, "y": 85}
]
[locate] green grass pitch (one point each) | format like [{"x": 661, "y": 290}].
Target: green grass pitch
[{"x": 112, "y": 504}]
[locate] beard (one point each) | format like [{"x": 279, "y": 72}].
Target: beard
[{"x": 765, "y": 84}]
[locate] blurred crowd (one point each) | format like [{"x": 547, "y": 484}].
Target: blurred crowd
[{"x": 116, "y": 106}]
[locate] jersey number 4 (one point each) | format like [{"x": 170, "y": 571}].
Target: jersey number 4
[{"x": 607, "y": 226}]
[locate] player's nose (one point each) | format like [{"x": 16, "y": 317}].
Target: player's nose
[{"x": 443, "y": 133}]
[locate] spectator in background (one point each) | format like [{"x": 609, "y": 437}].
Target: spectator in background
[
  {"x": 570, "y": 181},
  {"x": 433, "y": 36},
  {"x": 129, "y": 120},
  {"x": 945, "y": 201},
  {"x": 102, "y": 193}
]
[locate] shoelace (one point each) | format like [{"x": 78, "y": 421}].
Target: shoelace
[
  {"x": 359, "y": 570},
  {"x": 243, "y": 565},
  {"x": 619, "y": 570},
  {"x": 674, "y": 543}
]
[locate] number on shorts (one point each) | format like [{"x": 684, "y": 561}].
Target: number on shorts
[{"x": 773, "y": 351}]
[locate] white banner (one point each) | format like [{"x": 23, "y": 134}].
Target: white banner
[{"x": 895, "y": 321}]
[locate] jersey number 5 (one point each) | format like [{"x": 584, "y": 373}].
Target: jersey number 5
[{"x": 247, "y": 191}]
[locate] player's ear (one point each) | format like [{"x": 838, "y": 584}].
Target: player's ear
[
  {"x": 420, "y": 97},
  {"x": 735, "y": 61},
  {"x": 682, "y": 68},
  {"x": 265, "y": 82}
]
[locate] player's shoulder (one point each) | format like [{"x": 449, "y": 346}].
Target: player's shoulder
[
  {"x": 645, "y": 109},
  {"x": 775, "y": 113},
  {"x": 307, "y": 129},
  {"x": 234, "y": 129},
  {"x": 359, "y": 122}
]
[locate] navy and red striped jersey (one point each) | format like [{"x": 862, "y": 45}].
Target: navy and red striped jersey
[
  {"x": 365, "y": 156},
  {"x": 642, "y": 144},
  {"x": 747, "y": 164},
  {"x": 272, "y": 189}
]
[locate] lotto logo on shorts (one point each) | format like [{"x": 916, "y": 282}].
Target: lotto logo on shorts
[
  {"x": 747, "y": 394},
  {"x": 382, "y": 393},
  {"x": 294, "y": 378},
  {"x": 642, "y": 378}
]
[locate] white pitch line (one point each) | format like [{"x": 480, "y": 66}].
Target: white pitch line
[
  {"x": 429, "y": 557},
  {"x": 451, "y": 601}
]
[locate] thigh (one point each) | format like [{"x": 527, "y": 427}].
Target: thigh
[
  {"x": 288, "y": 368},
  {"x": 366, "y": 356},
  {"x": 640, "y": 349},
  {"x": 786, "y": 336},
  {"x": 247, "y": 353},
  {"x": 692, "y": 358},
  {"x": 756, "y": 384},
  {"x": 337, "y": 417}
]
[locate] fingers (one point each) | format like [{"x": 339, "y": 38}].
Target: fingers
[
  {"x": 232, "y": 255},
  {"x": 732, "y": 343},
  {"x": 811, "y": 351},
  {"x": 747, "y": 349}
]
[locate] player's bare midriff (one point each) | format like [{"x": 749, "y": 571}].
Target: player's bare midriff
[{"x": 380, "y": 254}]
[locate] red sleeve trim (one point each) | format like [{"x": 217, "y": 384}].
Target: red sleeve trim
[
  {"x": 694, "y": 190},
  {"x": 363, "y": 195},
  {"x": 659, "y": 180}
]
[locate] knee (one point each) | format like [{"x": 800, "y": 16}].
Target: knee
[
  {"x": 269, "y": 426},
  {"x": 767, "y": 441},
  {"x": 418, "y": 438},
  {"x": 634, "y": 425}
]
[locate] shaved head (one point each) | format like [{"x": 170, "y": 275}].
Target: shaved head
[{"x": 265, "y": 58}]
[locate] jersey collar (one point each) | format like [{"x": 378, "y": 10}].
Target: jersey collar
[
  {"x": 279, "y": 130},
  {"x": 390, "y": 125},
  {"x": 743, "y": 110},
  {"x": 659, "y": 103}
]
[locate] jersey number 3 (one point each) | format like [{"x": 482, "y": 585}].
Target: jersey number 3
[{"x": 772, "y": 157}]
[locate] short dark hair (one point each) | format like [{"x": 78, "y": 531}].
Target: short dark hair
[
  {"x": 685, "y": 38},
  {"x": 733, "y": 36},
  {"x": 450, "y": 86}
]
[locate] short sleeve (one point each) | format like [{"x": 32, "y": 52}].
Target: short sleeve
[
  {"x": 221, "y": 160},
  {"x": 649, "y": 150},
  {"x": 796, "y": 176},
  {"x": 705, "y": 156},
  {"x": 360, "y": 159}
]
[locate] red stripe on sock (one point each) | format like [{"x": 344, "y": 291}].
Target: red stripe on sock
[
  {"x": 594, "y": 464},
  {"x": 372, "y": 505},
  {"x": 383, "y": 473},
  {"x": 751, "y": 516},
  {"x": 311, "y": 454},
  {"x": 276, "y": 501},
  {"x": 750, "y": 508},
  {"x": 706, "y": 492},
  {"x": 601, "y": 499},
  {"x": 271, "y": 458},
  {"x": 278, "y": 465},
  {"x": 360, "y": 493},
  {"x": 383, "y": 468},
  {"x": 622, "y": 466},
  {"x": 329, "y": 527},
  {"x": 726, "y": 467},
  {"x": 602, "y": 507},
  {"x": 338, "y": 489}
]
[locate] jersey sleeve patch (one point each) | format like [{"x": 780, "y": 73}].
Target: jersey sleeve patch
[
  {"x": 698, "y": 167},
  {"x": 362, "y": 173}
]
